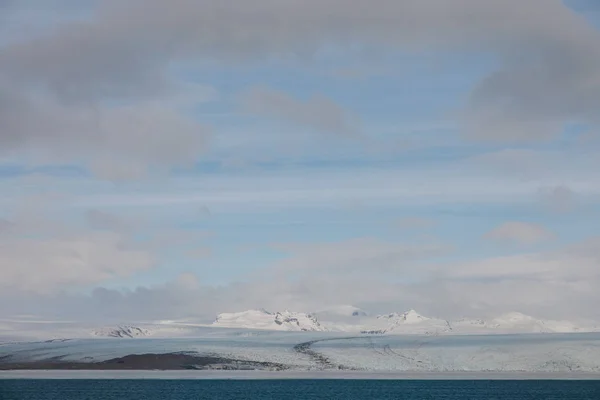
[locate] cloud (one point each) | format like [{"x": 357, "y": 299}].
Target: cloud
[
  {"x": 41, "y": 251},
  {"x": 522, "y": 163},
  {"x": 415, "y": 223},
  {"x": 559, "y": 199},
  {"x": 355, "y": 255},
  {"x": 5, "y": 226},
  {"x": 297, "y": 188},
  {"x": 317, "y": 112},
  {"x": 558, "y": 284},
  {"x": 116, "y": 141},
  {"x": 100, "y": 90},
  {"x": 102, "y": 220},
  {"x": 522, "y": 233},
  {"x": 49, "y": 247},
  {"x": 547, "y": 76},
  {"x": 42, "y": 265}
]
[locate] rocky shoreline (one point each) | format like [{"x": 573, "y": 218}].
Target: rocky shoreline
[{"x": 141, "y": 362}]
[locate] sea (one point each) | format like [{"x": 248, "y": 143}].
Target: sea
[{"x": 146, "y": 389}]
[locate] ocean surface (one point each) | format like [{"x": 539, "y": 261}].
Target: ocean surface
[{"x": 78, "y": 389}]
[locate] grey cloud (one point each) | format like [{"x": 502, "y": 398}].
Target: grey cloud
[
  {"x": 549, "y": 60},
  {"x": 5, "y": 224},
  {"x": 199, "y": 253},
  {"x": 88, "y": 62},
  {"x": 522, "y": 163},
  {"x": 415, "y": 223},
  {"x": 102, "y": 220},
  {"x": 113, "y": 140},
  {"x": 317, "y": 112},
  {"x": 169, "y": 238},
  {"x": 588, "y": 249},
  {"x": 519, "y": 232},
  {"x": 559, "y": 199},
  {"x": 536, "y": 101}
]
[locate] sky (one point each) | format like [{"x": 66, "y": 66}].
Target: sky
[{"x": 171, "y": 160}]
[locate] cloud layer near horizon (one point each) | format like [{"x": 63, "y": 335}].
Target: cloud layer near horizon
[{"x": 557, "y": 284}]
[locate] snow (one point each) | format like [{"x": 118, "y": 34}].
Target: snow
[
  {"x": 397, "y": 342},
  {"x": 341, "y": 319},
  {"x": 499, "y": 353},
  {"x": 406, "y": 341},
  {"x": 409, "y": 317},
  {"x": 525, "y": 323},
  {"x": 262, "y": 319},
  {"x": 122, "y": 332},
  {"x": 534, "y": 353},
  {"x": 409, "y": 322}
]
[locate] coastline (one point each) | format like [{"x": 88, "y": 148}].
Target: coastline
[
  {"x": 141, "y": 362},
  {"x": 290, "y": 375}
]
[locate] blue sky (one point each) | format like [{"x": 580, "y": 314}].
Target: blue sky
[{"x": 420, "y": 157}]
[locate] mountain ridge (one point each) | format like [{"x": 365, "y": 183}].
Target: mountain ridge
[
  {"x": 408, "y": 322},
  {"x": 340, "y": 319},
  {"x": 263, "y": 319}
]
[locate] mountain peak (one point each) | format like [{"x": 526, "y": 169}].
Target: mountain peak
[
  {"x": 410, "y": 316},
  {"x": 263, "y": 319},
  {"x": 124, "y": 331}
]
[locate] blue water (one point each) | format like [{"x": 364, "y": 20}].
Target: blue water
[{"x": 295, "y": 389}]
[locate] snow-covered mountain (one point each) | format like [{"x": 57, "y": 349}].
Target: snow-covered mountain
[
  {"x": 262, "y": 319},
  {"x": 353, "y": 319},
  {"x": 409, "y": 322},
  {"x": 516, "y": 322},
  {"x": 121, "y": 332},
  {"x": 341, "y": 319},
  {"x": 526, "y": 324}
]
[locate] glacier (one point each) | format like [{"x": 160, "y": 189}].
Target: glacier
[
  {"x": 347, "y": 339},
  {"x": 329, "y": 351}
]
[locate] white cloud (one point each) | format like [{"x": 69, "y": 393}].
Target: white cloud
[
  {"x": 356, "y": 254},
  {"x": 518, "y": 232},
  {"x": 47, "y": 265},
  {"x": 559, "y": 284},
  {"x": 42, "y": 252}
]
